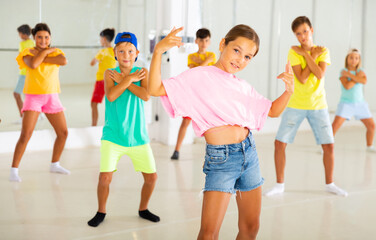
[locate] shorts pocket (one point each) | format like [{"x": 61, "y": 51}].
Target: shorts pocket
[{"x": 216, "y": 156}]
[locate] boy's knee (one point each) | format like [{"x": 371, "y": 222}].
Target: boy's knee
[
  {"x": 151, "y": 178},
  {"x": 105, "y": 179},
  {"x": 279, "y": 145},
  {"x": 328, "y": 147}
]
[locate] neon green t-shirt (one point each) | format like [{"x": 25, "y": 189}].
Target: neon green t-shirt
[
  {"x": 29, "y": 43},
  {"x": 311, "y": 95},
  {"x": 125, "y": 123}
]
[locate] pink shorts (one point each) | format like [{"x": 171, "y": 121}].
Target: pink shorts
[
  {"x": 46, "y": 103},
  {"x": 98, "y": 92}
]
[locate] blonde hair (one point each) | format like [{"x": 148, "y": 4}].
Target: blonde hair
[{"x": 353, "y": 50}]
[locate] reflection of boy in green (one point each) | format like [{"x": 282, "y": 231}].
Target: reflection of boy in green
[{"x": 197, "y": 59}]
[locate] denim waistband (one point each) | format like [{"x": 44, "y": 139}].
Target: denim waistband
[{"x": 248, "y": 141}]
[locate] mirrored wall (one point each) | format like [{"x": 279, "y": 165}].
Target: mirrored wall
[{"x": 76, "y": 24}]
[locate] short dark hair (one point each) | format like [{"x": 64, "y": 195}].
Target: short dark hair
[
  {"x": 40, "y": 27},
  {"x": 242, "y": 30},
  {"x": 108, "y": 33},
  {"x": 299, "y": 21},
  {"x": 203, "y": 33},
  {"x": 24, "y": 29}
]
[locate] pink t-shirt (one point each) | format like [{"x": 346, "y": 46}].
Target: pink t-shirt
[{"x": 212, "y": 97}]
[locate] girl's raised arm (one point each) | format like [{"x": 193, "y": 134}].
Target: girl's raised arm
[
  {"x": 279, "y": 105},
  {"x": 155, "y": 86}
]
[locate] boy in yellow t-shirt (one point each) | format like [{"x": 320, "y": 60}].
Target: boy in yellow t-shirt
[
  {"x": 105, "y": 59},
  {"x": 309, "y": 63},
  {"x": 197, "y": 59},
  {"x": 24, "y": 32}
]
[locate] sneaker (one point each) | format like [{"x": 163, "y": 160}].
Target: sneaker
[
  {"x": 56, "y": 168},
  {"x": 371, "y": 149},
  {"x": 175, "y": 155},
  {"x": 332, "y": 188}
]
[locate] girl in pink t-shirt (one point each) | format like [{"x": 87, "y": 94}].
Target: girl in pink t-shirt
[{"x": 223, "y": 109}]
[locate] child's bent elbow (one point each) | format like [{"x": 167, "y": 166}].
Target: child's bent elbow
[
  {"x": 272, "y": 115},
  {"x": 110, "y": 99},
  {"x": 152, "y": 92},
  {"x": 146, "y": 98}
]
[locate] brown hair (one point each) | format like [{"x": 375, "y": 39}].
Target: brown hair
[
  {"x": 108, "y": 33},
  {"x": 242, "y": 30},
  {"x": 203, "y": 33},
  {"x": 24, "y": 29},
  {"x": 353, "y": 50},
  {"x": 40, "y": 27},
  {"x": 299, "y": 21}
]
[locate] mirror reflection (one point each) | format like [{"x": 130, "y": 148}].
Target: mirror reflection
[{"x": 76, "y": 28}]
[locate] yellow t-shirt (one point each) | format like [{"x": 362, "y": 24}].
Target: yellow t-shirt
[
  {"x": 202, "y": 56},
  {"x": 311, "y": 95},
  {"x": 44, "y": 79},
  {"x": 106, "y": 59},
  {"x": 29, "y": 43}
]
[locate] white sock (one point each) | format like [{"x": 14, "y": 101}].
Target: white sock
[
  {"x": 371, "y": 149},
  {"x": 332, "y": 188},
  {"x": 278, "y": 188},
  {"x": 56, "y": 168},
  {"x": 13, "y": 177}
]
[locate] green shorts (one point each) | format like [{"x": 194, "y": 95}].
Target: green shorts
[{"x": 141, "y": 156}]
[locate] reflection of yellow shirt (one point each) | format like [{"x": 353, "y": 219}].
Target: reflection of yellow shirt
[
  {"x": 106, "y": 59},
  {"x": 202, "y": 56},
  {"x": 311, "y": 95},
  {"x": 22, "y": 46},
  {"x": 44, "y": 79}
]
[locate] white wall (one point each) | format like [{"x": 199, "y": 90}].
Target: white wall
[{"x": 369, "y": 52}]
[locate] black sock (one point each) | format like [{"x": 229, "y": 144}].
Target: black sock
[
  {"x": 97, "y": 219},
  {"x": 148, "y": 215}
]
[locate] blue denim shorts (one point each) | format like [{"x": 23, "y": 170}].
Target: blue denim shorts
[
  {"x": 318, "y": 120},
  {"x": 358, "y": 110},
  {"x": 233, "y": 167},
  {"x": 20, "y": 84}
]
